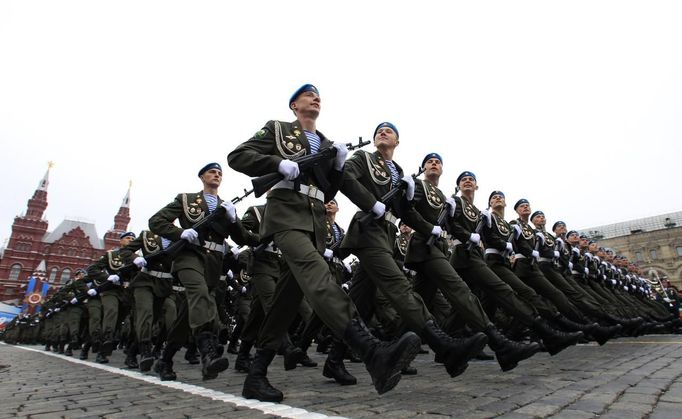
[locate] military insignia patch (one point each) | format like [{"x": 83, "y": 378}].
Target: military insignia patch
[
  {"x": 260, "y": 134},
  {"x": 297, "y": 132}
]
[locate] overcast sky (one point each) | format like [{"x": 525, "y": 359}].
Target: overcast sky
[{"x": 576, "y": 106}]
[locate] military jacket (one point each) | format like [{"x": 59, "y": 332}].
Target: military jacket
[
  {"x": 149, "y": 243},
  {"x": 366, "y": 178},
  {"x": 107, "y": 264},
  {"x": 465, "y": 221},
  {"x": 400, "y": 248},
  {"x": 548, "y": 245},
  {"x": 188, "y": 209},
  {"x": 428, "y": 202},
  {"x": 496, "y": 236},
  {"x": 564, "y": 250},
  {"x": 524, "y": 238},
  {"x": 288, "y": 209}
]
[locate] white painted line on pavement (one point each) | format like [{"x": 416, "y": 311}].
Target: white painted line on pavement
[{"x": 278, "y": 409}]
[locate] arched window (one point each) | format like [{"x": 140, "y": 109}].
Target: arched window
[
  {"x": 66, "y": 275},
  {"x": 14, "y": 272},
  {"x": 53, "y": 274}
]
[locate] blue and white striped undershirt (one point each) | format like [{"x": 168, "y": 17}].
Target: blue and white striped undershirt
[
  {"x": 395, "y": 176},
  {"x": 211, "y": 202},
  {"x": 337, "y": 233},
  {"x": 314, "y": 141}
]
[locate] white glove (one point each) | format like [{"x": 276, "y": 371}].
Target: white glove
[
  {"x": 570, "y": 266},
  {"x": 535, "y": 254},
  {"x": 328, "y": 254},
  {"x": 341, "y": 154},
  {"x": 437, "y": 231},
  {"x": 576, "y": 250},
  {"x": 409, "y": 192},
  {"x": 379, "y": 209},
  {"x": 230, "y": 210},
  {"x": 235, "y": 251},
  {"x": 289, "y": 169},
  {"x": 140, "y": 262},
  {"x": 114, "y": 278},
  {"x": 556, "y": 254},
  {"x": 74, "y": 300},
  {"x": 229, "y": 274},
  {"x": 452, "y": 205},
  {"x": 348, "y": 267},
  {"x": 57, "y": 310},
  {"x": 92, "y": 292},
  {"x": 475, "y": 238},
  {"x": 345, "y": 286},
  {"x": 229, "y": 288},
  {"x": 509, "y": 248},
  {"x": 614, "y": 282},
  {"x": 190, "y": 235},
  {"x": 586, "y": 270}
]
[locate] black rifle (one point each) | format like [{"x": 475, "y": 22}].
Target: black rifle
[
  {"x": 442, "y": 215},
  {"x": 388, "y": 198},
  {"x": 477, "y": 230},
  {"x": 237, "y": 199},
  {"x": 263, "y": 183}
]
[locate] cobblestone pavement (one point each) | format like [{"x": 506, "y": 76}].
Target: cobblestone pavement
[{"x": 626, "y": 378}]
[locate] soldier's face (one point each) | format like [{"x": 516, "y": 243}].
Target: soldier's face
[
  {"x": 583, "y": 242},
  {"x": 467, "y": 183},
  {"x": 385, "y": 136},
  {"x": 593, "y": 248},
  {"x": 560, "y": 230},
  {"x": 307, "y": 104},
  {"x": 433, "y": 167},
  {"x": 523, "y": 209},
  {"x": 212, "y": 178},
  {"x": 539, "y": 220},
  {"x": 405, "y": 229},
  {"x": 497, "y": 202},
  {"x": 331, "y": 207},
  {"x": 573, "y": 239},
  {"x": 124, "y": 241}
]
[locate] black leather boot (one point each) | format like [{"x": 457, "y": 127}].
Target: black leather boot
[
  {"x": 602, "y": 334},
  {"x": 60, "y": 347},
  {"x": 292, "y": 354},
  {"x": 165, "y": 370},
  {"x": 256, "y": 385},
  {"x": 554, "y": 340},
  {"x": 211, "y": 362},
  {"x": 84, "y": 352},
  {"x": 131, "y": 357},
  {"x": 146, "y": 357},
  {"x": 455, "y": 353},
  {"x": 164, "y": 366},
  {"x": 69, "y": 349},
  {"x": 334, "y": 366},
  {"x": 509, "y": 353},
  {"x": 191, "y": 354},
  {"x": 101, "y": 359},
  {"x": 108, "y": 345},
  {"x": 383, "y": 360},
  {"x": 243, "y": 362}
]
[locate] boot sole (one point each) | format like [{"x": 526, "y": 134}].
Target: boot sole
[
  {"x": 215, "y": 367},
  {"x": 554, "y": 349},
  {"x": 525, "y": 354},
  {"x": 411, "y": 347}
]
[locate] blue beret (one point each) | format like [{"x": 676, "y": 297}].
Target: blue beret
[
  {"x": 557, "y": 224},
  {"x": 209, "y": 167},
  {"x": 304, "y": 88},
  {"x": 493, "y": 193},
  {"x": 389, "y": 125},
  {"x": 520, "y": 202},
  {"x": 127, "y": 234},
  {"x": 465, "y": 173},
  {"x": 535, "y": 214},
  {"x": 571, "y": 232},
  {"x": 432, "y": 156}
]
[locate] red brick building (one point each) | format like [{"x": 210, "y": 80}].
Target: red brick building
[{"x": 71, "y": 245}]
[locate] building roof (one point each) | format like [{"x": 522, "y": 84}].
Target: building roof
[
  {"x": 640, "y": 225},
  {"x": 68, "y": 225}
]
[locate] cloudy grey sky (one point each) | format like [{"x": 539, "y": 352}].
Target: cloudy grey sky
[{"x": 574, "y": 105}]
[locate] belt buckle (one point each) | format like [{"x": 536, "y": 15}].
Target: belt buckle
[{"x": 312, "y": 191}]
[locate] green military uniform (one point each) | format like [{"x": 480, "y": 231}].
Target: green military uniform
[
  {"x": 112, "y": 296},
  {"x": 295, "y": 221},
  {"x": 198, "y": 267},
  {"x": 366, "y": 179},
  {"x": 151, "y": 286}
]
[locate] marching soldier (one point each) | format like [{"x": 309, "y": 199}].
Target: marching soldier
[
  {"x": 198, "y": 265},
  {"x": 295, "y": 221}
]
